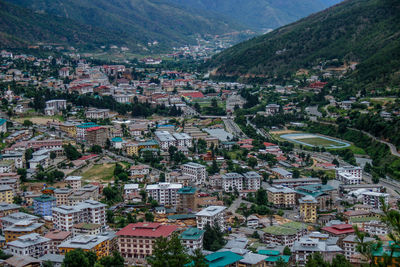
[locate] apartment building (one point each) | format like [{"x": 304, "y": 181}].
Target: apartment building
[
  {"x": 374, "y": 199},
  {"x": 8, "y": 208},
  {"x": 17, "y": 157},
  {"x": 62, "y": 196},
  {"x": 139, "y": 171},
  {"x": 195, "y": 171},
  {"x": 90, "y": 211},
  {"x": 165, "y": 139},
  {"x": 308, "y": 209},
  {"x": 352, "y": 170},
  {"x": 94, "y": 113},
  {"x": 293, "y": 183},
  {"x": 192, "y": 238},
  {"x": 282, "y": 173},
  {"x": 251, "y": 180},
  {"x": 43, "y": 205},
  {"x": 187, "y": 199},
  {"x": 96, "y": 136},
  {"x": 55, "y": 106},
  {"x": 86, "y": 192},
  {"x": 56, "y": 237},
  {"x": 33, "y": 245},
  {"x": 21, "y": 228},
  {"x": 75, "y": 182},
  {"x": 232, "y": 181},
  {"x": 164, "y": 193},
  {"x": 98, "y": 244},
  {"x": 350, "y": 244},
  {"x": 131, "y": 191},
  {"x": 281, "y": 196},
  {"x": 285, "y": 234},
  {"x": 84, "y": 228},
  {"x": 81, "y": 130},
  {"x": 6, "y": 194},
  {"x": 211, "y": 215},
  {"x": 136, "y": 241},
  {"x": 183, "y": 140}
]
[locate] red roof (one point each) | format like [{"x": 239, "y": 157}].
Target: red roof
[
  {"x": 94, "y": 128},
  {"x": 88, "y": 157},
  {"x": 194, "y": 94},
  {"x": 266, "y": 144},
  {"x": 339, "y": 229},
  {"x": 145, "y": 229}
]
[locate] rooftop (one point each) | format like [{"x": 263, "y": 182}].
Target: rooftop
[
  {"x": 145, "y": 229},
  {"x": 211, "y": 211},
  {"x": 192, "y": 233}
]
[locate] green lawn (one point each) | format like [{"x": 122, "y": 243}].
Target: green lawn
[
  {"x": 99, "y": 172},
  {"x": 316, "y": 141},
  {"x": 354, "y": 149}
]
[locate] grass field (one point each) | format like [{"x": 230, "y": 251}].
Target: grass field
[
  {"x": 318, "y": 142},
  {"x": 42, "y": 120},
  {"x": 99, "y": 173}
]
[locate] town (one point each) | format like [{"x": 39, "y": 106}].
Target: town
[{"x": 110, "y": 161}]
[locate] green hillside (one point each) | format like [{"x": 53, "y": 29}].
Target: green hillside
[
  {"x": 260, "y": 14},
  {"x": 137, "y": 20},
  {"x": 365, "y": 31},
  {"x": 20, "y": 27}
]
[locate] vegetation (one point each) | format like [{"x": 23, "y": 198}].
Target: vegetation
[
  {"x": 80, "y": 258},
  {"x": 213, "y": 238}
]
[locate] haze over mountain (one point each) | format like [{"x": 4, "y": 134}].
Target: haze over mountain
[
  {"x": 260, "y": 14},
  {"x": 365, "y": 31},
  {"x": 135, "y": 21}
]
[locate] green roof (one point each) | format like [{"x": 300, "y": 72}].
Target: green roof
[
  {"x": 181, "y": 216},
  {"x": 45, "y": 198},
  {"x": 365, "y": 219},
  {"x": 2, "y": 121},
  {"x": 285, "y": 258},
  {"x": 87, "y": 226},
  {"x": 269, "y": 252},
  {"x": 117, "y": 139},
  {"x": 87, "y": 125},
  {"x": 188, "y": 190},
  {"x": 149, "y": 143},
  {"x": 192, "y": 234},
  {"x": 222, "y": 259},
  {"x": 386, "y": 250},
  {"x": 290, "y": 228},
  {"x": 314, "y": 190}
]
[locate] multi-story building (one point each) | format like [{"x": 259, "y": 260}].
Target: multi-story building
[
  {"x": 82, "y": 129},
  {"x": 62, "y": 195},
  {"x": 86, "y": 192},
  {"x": 324, "y": 194},
  {"x": 195, "y": 171},
  {"x": 42, "y": 160},
  {"x": 55, "y": 106},
  {"x": 139, "y": 171},
  {"x": 164, "y": 193},
  {"x": 98, "y": 244},
  {"x": 16, "y": 217},
  {"x": 192, "y": 238},
  {"x": 84, "y": 228},
  {"x": 97, "y": 136},
  {"x": 251, "y": 180},
  {"x": 165, "y": 139},
  {"x": 33, "y": 245},
  {"x": 308, "y": 245},
  {"x": 56, "y": 237},
  {"x": 43, "y": 205},
  {"x": 350, "y": 244},
  {"x": 376, "y": 228},
  {"x": 21, "y": 228},
  {"x": 352, "y": 170},
  {"x": 308, "y": 209},
  {"x": 136, "y": 241},
  {"x": 281, "y": 196},
  {"x": 17, "y": 157},
  {"x": 131, "y": 191},
  {"x": 6, "y": 194},
  {"x": 182, "y": 140},
  {"x": 68, "y": 128},
  {"x": 272, "y": 109},
  {"x": 90, "y": 211},
  {"x": 285, "y": 234},
  {"x": 293, "y": 183},
  {"x": 282, "y": 173},
  {"x": 211, "y": 215},
  {"x": 7, "y": 166},
  {"x": 348, "y": 178},
  {"x": 94, "y": 113},
  {"x": 8, "y": 208},
  {"x": 338, "y": 230},
  {"x": 11, "y": 179},
  {"x": 74, "y": 182},
  {"x": 374, "y": 199},
  {"x": 232, "y": 181},
  {"x": 132, "y": 149},
  {"x": 187, "y": 199}
]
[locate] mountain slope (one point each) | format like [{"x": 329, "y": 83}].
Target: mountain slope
[
  {"x": 21, "y": 27},
  {"x": 139, "y": 20},
  {"x": 367, "y": 31},
  {"x": 260, "y": 14}
]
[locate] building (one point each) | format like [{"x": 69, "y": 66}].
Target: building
[
  {"x": 82, "y": 129},
  {"x": 223, "y": 258},
  {"x": 33, "y": 245},
  {"x": 182, "y": 140},
  {"x": 3, "y": 125},
  {"x": 17, "y": 157},
  {"x": 281, "y": 196},
  {"x": 308, "y": 209},
  {"x": 21, "y": 228},
  {"x": 232, "y": 181},
  {"x": 139, "y": 171},
  {"x": 374, "y": 199},
  {"x": 165, "y": 139},
  {"x": 97, "y": 136},
  {"x": 187, "y": 199},
  {"x": 7, "y": 166},
  {"x": 136, "y": 241},
  {"x": 86, "y": 192},
  {"x": 195, "y": 171},
  {"x": 293, "y": 183},
  {"x": 164, "y": 193},
  {"x": 84, "y": 228},
  {"x": 89, "y": 211},
  {"x": 74, "y": 182},
  {"x": 43, "y": 205},
  {"x": 339, "y": 230},
  {"x": 22, "y": 261},
  {"x": 285, "y": 234},
  {"x": 95, "y": 243},
  {"x": 53, "y": 107},
  {"x": 192, "y": 238},
  {"x": 6, "y": 194},
  {"x": 42, "y": 160},
  {"x": 132, "y": 149},
  {"x": 94, "y": 113},
  {"x": 282, "y": 173},
  {"x": 349, "y": 175},
  {"x": 375, "y": 228},
  {"x": 56, "y": 237},
  {"x": 315, "y": 242},
  {"x": 13, "y": 218},
  {"x": 131, "y": 191},
  {"x": 8, "y": 208},
  {"x": 251, "y": 180},
  {"x": 272, "y": 109},
  {"x": 350, "y": 244},
  {"x": 211, "y": 215},
  {"x": 62, "y": 196},
  {"x": 324, "y": 194}
]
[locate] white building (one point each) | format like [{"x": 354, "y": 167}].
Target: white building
[
  {"x": 43, "y": 160},
  {"x": 182, "y": 139},
  {"x": 131, "y": 191},
  {"x": 376, "y": 228},
  {"x": 17, "y": 157},
  {"x": 192, "y": 238},
  {"x": 165, "y": 139},
  {"x": 74, "y": 182},
  {"x": 6, "y": 166},
  {"x": 251, "y": 180},
  {"x": 374, "y": 199},
  {"x": 349, "y": 175},
  {"x": 33, "y": 245},
  {"x": 195, "y": 171},
  {"x": 89, "y": 211},
  {"x": 164, "y": 193},
  {"x": 350, "y": 244},
  {"x": 139, "y": 170},
  {"x": 211, "y": 215},
  {"x": 232, "y": 181},
  {"x": 55, "y": 106},
  {"x": 94, "y": 113},
  {"x": 272, "y": 109}
]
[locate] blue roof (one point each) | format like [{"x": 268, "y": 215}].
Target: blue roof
[
  {"x": 222, "y": 258},
  {"x": 285, "y": 258},
  {"x": 2, "y": 121},
  {"x": 117, "y": 139}
]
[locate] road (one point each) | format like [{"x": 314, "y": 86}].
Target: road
[
  {"x": 233, "y": 128},
  {"x": 119, "y": 157},
  {"x": 261, "y": 131}
]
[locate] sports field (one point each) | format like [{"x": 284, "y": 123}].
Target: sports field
[{"x": 314, "y": 140}]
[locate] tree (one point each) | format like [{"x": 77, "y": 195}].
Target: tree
[
  {"x": 198, "y": 259},
  {"x": 168, "y": 252},
  {"x": 110, "y": 216},
  {"x": 296, "y": 173},
  {"x": 261, "y": 196},
  {"x": 213, "y": 238},
  {"x": 336, "y": 162},
  {"x": 96, "y": 149},
  {"x": 286, "y": 251},
  {"x": 76, "y": 258},
  {"x": 47, "y": 264},
  {"x": 27, "y": 123},
  {"x": 214, "y": 168},
  {"x": 252, "y": 162},
  {"x": 162, "y": 177},
  {"x": 53, "y": 155},
  {"x": 149, "y": 217},
  {"x": 116, "y": 260},
  {"x": 71, "y": 152}
]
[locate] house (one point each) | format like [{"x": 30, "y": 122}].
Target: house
[
  {"x": 192, "y": 238},
  {"x": 33, "y": 245},
  {"x": 56, "y": 237},
  {"x": 22, "y": 261},
  {"x": 131, "y": 191},
  {"x": 253, "y": 221}
]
